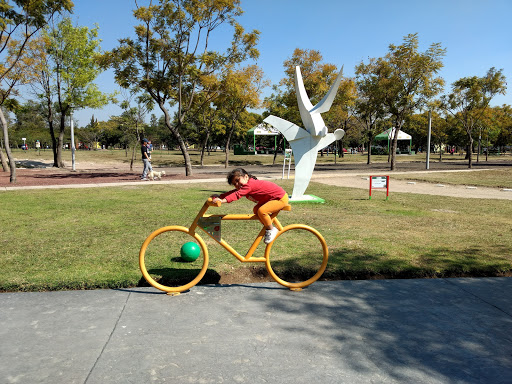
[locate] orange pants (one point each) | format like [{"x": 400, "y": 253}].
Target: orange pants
[{"x": 264, "y": 211}]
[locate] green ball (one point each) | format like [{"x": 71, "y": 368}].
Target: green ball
[{"x": 190, "y": 251}]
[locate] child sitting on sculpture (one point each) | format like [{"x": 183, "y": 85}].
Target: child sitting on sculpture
[{"x": 269, "y": 198}]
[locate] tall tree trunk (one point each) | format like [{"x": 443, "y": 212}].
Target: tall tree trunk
[
  {"x": 60, "y": 162},
  {"x": 470, "y": 152},
  {"x": 393, "y": 150},
  {"x": 186, "y": 156},
  {"x": 52, "y": 134},
  {"x": 5, "y": 166},
  {"x": 60, "y": 144},
  {"x": 204, "y": 146},
  {"x": 280, "y": 142},
  {"x": 181, "y": 143},
  {"x": 369, "y": 160},
  {"x": 133, "y": 156},
  {"x": 478, "y": 151},
  {"x": 12, "y": 162},
  {"x": 228, "y": 140}
]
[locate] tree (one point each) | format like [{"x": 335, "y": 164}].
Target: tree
[
  {"x": 20, "y": 19},
  {"x": 503, "y": 120},
  {"x": 170, "y": 57},
  {"x": 131, "y": 122},
  {"x": 241, "y": 89},
  {"x": 417, "y": 127},
  {"x": 407, "y": 81},
  {"x": 90, "y": 134},
  {"x": 489, "y": 128},
  {"x": 66, "y": 62},
  {"x": 469, "y": 99},
  {"x": 29, "y": 123},
  {"x": 369, "y": 106},
  {"x": 206, "y": 121},
  {"x": 341, "y": 112},
  {"x": 204, "y": 114}
]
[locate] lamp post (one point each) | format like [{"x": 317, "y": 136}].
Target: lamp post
[
  {"x": 72, "y": 144},
  {"x": 428, "y": 138}
]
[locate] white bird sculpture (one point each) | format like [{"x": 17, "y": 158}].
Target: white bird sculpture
[{"x": 307, "y": 141}]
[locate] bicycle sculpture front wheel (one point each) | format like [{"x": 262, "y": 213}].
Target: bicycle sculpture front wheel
[
  {"x": 173, "y": 260},
  {"x": 299, "y": 256}
]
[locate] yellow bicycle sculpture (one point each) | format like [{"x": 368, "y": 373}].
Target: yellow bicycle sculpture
[{"x": 211, "y": 225}]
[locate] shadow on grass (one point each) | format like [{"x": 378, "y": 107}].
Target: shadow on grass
[
  {"x": 439, "y": 262},
  {"x": 436, "y": 263}
]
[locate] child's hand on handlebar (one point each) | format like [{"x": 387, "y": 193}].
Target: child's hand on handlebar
[{"x": 217, "y": 200}]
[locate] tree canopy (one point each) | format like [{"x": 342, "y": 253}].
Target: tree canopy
[
  {"x": 20, "y": 20},
  {"x": 170, "y": 57},
  {"x": 406, "y": 80},
  {"x": 470, "y": 98}
]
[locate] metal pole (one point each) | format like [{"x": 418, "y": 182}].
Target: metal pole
[
  {"x": 72, "y": 145},
  {"x": 428, "y": 138}
]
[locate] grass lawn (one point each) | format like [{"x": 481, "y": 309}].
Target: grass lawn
[{"x": 90, "y": 238}]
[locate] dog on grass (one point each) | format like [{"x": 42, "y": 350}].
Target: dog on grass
[{"x": 154, "y": 175}]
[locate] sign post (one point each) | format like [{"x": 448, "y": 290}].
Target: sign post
[
  {"x": 379, "y": 182},
  {"x": 428, "y": 138}
]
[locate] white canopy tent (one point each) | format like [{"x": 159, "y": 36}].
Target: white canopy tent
[{"x": 390, "y": 133}]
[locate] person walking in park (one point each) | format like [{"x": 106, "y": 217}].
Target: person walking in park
[
  {"x": 146, "y": 160},
  {"x": 269, "y": 198}
]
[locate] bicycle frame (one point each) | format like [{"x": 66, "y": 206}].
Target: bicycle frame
[
  {"x": 249, "y": 255},
  {"x": 204, "y": 221}
]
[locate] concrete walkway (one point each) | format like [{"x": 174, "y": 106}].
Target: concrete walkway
[{"x": 374, "y": 331}]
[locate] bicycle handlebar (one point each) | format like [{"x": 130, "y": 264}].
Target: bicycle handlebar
[{"x": 212, "y": 204}]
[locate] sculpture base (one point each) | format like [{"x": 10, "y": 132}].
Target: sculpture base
[{"x": 307, "y": 199}]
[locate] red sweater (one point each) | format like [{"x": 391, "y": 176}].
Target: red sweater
[{"x": 259, "y": 191}]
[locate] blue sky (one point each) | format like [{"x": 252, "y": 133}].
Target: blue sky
[{"x": 475, "y": 33}]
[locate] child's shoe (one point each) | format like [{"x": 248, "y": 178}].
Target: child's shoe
[{"x": 270, "y": 235}]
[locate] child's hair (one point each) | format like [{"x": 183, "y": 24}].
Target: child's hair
[{"x": 238, "y": 172}]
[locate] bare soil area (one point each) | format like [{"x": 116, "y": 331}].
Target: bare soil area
[{"x": 43, "y": 174}]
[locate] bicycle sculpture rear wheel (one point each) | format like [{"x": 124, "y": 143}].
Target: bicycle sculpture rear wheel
[
  {"x": 297, "y": 257},
  {"x": 161, "y": 262}
]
